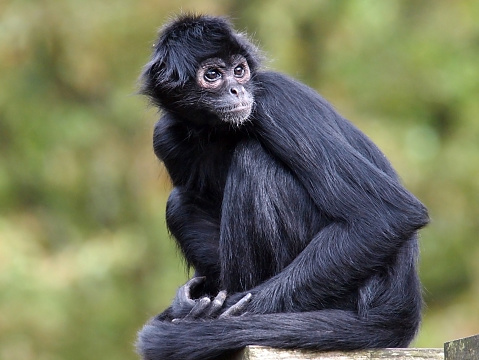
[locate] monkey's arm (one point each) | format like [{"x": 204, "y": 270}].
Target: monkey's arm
[{"x": 370, "y": 214}]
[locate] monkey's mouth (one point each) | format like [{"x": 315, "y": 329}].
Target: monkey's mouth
[
  {"x": 236, "y": 114},
  {"x": 236, "y": 108},
  {"x": 242, "y": 108}
]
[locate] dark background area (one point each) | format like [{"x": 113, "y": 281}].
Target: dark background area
[{"x": 85, "y": 258}]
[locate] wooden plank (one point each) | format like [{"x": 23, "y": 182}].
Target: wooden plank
[
  {"x": 264, "y": 353},
  {"x": 462, "y": 349}
]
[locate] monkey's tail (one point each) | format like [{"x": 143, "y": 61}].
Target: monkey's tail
[{"x": 319, "y": 330}]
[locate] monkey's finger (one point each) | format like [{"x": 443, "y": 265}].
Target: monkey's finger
[
  {"x": 238, "y": 307},
  {"x": 193, "y": 283},
  {"x": 199, "y": 308},
  {"x": 217, "y": 303},
  {"x": 184, "y": 293}
]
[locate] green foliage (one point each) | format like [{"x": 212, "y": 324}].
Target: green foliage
[{"x": 85, "y": 258}]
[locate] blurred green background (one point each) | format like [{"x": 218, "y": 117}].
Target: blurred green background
[{"x": 85, "y": 258}]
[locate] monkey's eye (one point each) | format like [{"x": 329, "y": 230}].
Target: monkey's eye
[
  {"x": 212, "y": 75},
  {"x": 239, "y": 71}
]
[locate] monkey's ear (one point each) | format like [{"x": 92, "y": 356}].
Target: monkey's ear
[{"x": 163, "y": 72}]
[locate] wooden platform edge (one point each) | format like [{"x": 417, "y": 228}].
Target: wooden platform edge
[
  {"x": 462, "y": 349},
  {"x": 265, "y": 353}
]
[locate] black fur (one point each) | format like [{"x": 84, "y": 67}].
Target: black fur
[{"x": 296, "y": 206}]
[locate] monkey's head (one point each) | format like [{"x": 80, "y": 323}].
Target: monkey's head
[{"x": 202, "y": 71}]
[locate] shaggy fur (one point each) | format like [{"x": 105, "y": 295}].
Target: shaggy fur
[{"x": 295, "y": 206}]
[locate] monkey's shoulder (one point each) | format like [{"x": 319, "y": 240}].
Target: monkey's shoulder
[{"x": 279, "y": 90}]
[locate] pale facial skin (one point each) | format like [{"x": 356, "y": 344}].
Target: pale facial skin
[{"x": 226, "y": 81}]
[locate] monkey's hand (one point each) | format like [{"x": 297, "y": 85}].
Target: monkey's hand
[{"x": 186, "y": 308}]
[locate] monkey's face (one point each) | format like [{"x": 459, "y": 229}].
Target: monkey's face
[{"x": 225, "y": 88}]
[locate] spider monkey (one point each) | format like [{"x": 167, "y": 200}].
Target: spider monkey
[{"x": 298, "y": 228}]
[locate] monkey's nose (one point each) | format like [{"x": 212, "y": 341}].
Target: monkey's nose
[{"x": 236, "y": 91}]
